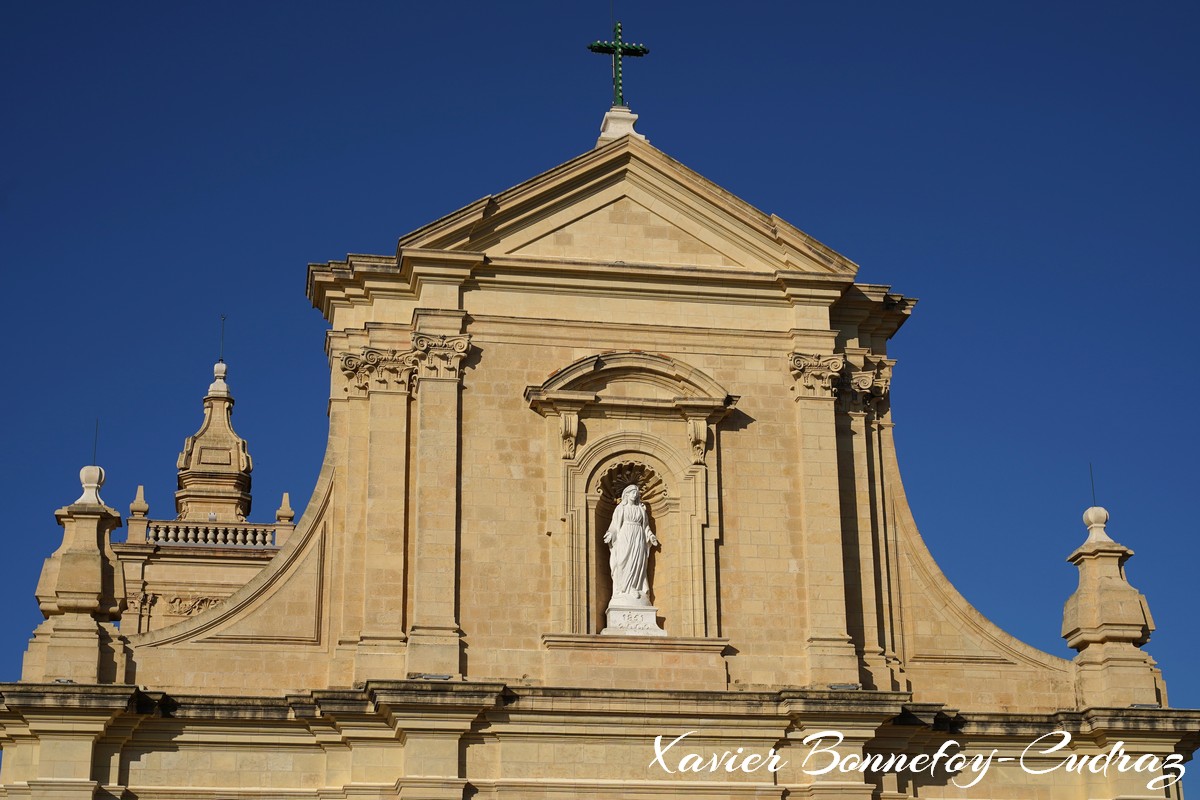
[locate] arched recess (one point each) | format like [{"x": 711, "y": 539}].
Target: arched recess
[{"x": 647, "y": 412}]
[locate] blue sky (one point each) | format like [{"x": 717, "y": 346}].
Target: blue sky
[{"x": 1028, "y": 170}]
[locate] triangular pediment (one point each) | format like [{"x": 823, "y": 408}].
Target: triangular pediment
[
  {"x": 625, "y": 230},
  {"x": 628, "y": 202}
]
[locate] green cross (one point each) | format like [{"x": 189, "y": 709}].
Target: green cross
[{"x": 617, "y": 49}]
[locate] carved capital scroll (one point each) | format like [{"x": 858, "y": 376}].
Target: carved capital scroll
[
  {"x": 440, "y": 357},
  {"x": 436, "y": 357},
  {"x": 815, "y": 374},
  {"x": 383, "y": 370},
  {"x": 854, "y": 388},
  {"x": 865, "y": 389},
  {"x": 883, "y": 378}
]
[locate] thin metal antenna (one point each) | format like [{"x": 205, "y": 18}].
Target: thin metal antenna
[
  {"x": 221, "y": 352},
  {"x": 95, "y": 441},
  {"x": 1092, "y": 475}
]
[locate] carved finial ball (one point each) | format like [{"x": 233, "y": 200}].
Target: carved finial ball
[
  {"x": 92, "y": 476},
  {"x": 219, "y": 388},
  {"x": 1095, "y": 516}
]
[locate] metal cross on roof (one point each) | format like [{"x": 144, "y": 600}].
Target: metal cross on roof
[{"x": 617, "y": 49}]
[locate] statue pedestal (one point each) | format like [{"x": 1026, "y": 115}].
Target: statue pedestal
[{"x": 627, "y": 619}]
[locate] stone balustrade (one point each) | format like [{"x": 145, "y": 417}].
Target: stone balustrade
[{"x": 241, "y": 534}]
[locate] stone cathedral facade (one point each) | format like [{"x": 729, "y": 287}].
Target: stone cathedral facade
[{"x": 436, "y": 624}]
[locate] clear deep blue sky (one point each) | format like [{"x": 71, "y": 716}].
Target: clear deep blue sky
[{"x": 1028, "y": 170}]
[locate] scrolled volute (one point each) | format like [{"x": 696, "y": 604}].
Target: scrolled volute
[{"x": 815, "y": 373}]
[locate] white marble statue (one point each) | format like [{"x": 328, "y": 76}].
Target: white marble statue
[{"x": 629, "y": 540}]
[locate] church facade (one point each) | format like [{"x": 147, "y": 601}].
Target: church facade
[{"x": 610, "y": 507}]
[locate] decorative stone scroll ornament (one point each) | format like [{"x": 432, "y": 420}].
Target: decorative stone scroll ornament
[
  {"x": 865, "y": 389},
  {"x": 698, "y": 438},
  {"x": 569, "y": 429},
  {"x": 190, "y": 606},
  {"x": 815, "y": 374},
  {"x": 438, "y": 357},
  {"x": 612, "y": 483},
  {"x": 854, "y": 389},
  {"x": 379, "y": 369},
  {"x": 143, "y": 602},
  {"x": 882, "y": 387}
]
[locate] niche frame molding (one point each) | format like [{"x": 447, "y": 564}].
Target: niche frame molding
[{"x": 666, "y": 414}]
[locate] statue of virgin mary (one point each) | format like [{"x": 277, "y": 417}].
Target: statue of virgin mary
[{"x": 629, "y": 539}]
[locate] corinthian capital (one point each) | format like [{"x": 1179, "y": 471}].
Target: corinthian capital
[
  {"x": 437, "y": 357},
  {"x": 815, "y": 373},
  {"x": 440, "y": 357},
  {"x": 379, "y": 370}
]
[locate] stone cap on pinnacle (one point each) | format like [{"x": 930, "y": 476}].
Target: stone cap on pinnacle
[
  {"x": 618, "y": 122},
  {"x": 1096, "y": 518},
  {"x": 214, "y": 467}
]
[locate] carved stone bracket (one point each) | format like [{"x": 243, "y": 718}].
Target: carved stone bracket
[
  {"x": 434, "y": 357},
  {"x": 568, "y": 425},
  {"x": 815, "y": 373},
  {"x": 697, "y": 438}
]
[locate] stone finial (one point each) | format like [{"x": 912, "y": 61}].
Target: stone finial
[
  {"x": 618, "y": 122},
  {"x": 285, "y": 513},
  {"x": 1107, "y": 621},
  {"x": 214, "y": 467},
  {"x": 139, "y": 507},
  {"x": 81, "y": 592},
  {"x": 92, "y": 478},
  {"x": 1096, "y": 518},
  {"x": 218, "y": 388}
]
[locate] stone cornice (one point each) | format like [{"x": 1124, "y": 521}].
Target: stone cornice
[
  {"x": 362, "y": 279},
  {"x": 872, "y": 312}
]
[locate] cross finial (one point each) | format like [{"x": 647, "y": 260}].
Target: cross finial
[{"x": 617, "y": 49}]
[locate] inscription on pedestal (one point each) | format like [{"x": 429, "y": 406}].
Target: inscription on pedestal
[{"x": 633, "y": 621}]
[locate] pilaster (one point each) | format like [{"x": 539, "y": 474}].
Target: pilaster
[
  {"x": 854, "y": 406},
  {"x": 830, "y": 652},
  {"x": 380, "y": 373},
  {"x": 435, "y": 637}
]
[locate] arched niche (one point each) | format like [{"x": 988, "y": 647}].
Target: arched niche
[
  {"x": 660, "y": 414},
  {"x": 606, "y": 487}
]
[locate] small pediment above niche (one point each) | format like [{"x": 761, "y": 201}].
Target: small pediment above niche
[{"x": 631, "y": 380}]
